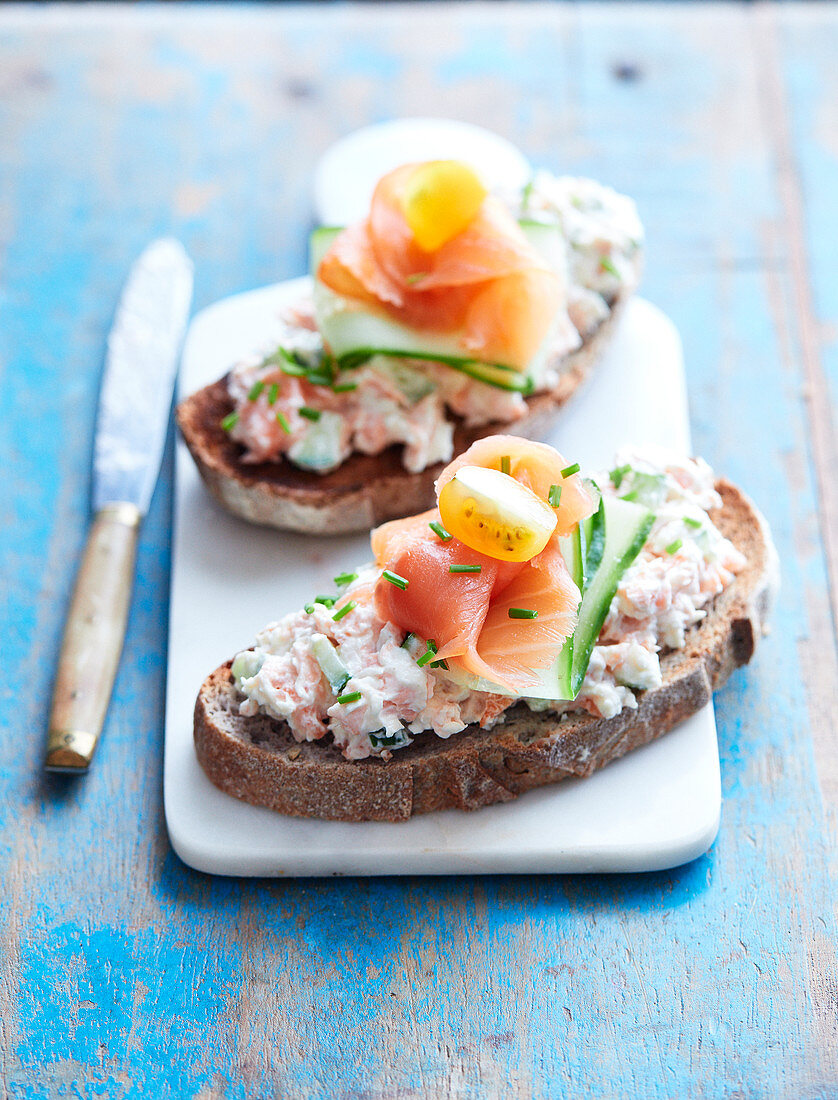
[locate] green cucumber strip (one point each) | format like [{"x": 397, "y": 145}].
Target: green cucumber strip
[
  {"x": 573, "y": 552},
  {"x": 327, "y": 657},
  {"x": 594, "y": 543},
  {"x": 319, "y": 244},
  {"x": 495, "y": 374},
  {"x": 627, "y": 527}
]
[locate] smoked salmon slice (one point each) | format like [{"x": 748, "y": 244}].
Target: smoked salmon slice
[{"x": 487, "y": 282}]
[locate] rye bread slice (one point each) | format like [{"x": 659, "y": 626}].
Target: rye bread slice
[
  {"x": 366, "y": 489},
  {"x": 258, "y": 760}
]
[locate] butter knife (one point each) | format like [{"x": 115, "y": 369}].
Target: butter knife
[{"x": 134, "y": 406}]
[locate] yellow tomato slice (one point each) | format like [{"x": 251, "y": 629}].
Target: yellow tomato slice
[
  {"x": 440, "y": 200},
  {"x": 491, "y": 512}
]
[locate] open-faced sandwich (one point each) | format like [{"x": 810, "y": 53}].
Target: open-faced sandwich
[
  {"x": 446, "y": 315},
  {"x": 536, "y": 625}
]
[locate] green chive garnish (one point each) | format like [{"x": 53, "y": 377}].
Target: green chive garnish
[
  {"x": 229, "y": 422},
  {"x": 522, "y": 613},
  {"x": 255, "y": 390},
  {"x": 428, "y": 655},
  {"x": 439, "y": 530},
  {"x": 289, "y": 365},
  {"x": 407, "y": 639},
  {"x": 618, "y": 473},
  {"x": 345, "y": 387},
  {"x": 349, "y": 697},
  {"x": 629, "y": 496},
  {"x": 282, "y": 420},
  {"x": 554, "y": 496},
  {"x": 273, "y": 393},
  {"x": 309, "y": 607},
  {"x": 440, "y": 664},
  {"x": 345, "y": 578},
  {"x": 316, "y": 378},
  {"x": 504, "y": 464},
  {"x": 294, "y": 369},
  {"x": 347, "y": 607},
  {"x": 310, "y": 414},
  {"x": 394, "y": 578},
  {"x": 690, "y": 522},
  {"x": 464, "y": 568},
  {"x": 327, "y": 601},
  {"x": 569, "y": 471},
  {"x": 673, "y": 546},
  {"x": 607, "y": 265}
]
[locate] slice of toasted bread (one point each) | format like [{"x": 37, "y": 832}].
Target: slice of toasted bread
[
  {"x": 366, "y": 489},
  {"x": 258, "y": 760}
]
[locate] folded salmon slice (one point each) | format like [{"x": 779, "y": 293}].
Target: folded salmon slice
[
  {"x": 487, "y": 282},
  {"x": 467, "y": 614}
]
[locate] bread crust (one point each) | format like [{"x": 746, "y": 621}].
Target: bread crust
[
  {"x": 365, "y": 490},
  {"x": 258, "y": 760}
]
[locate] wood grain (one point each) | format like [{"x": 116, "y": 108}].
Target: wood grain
[{"x": 125, "y": 974}]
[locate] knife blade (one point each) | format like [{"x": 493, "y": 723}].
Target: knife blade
[{"x": 134, "y": 405}]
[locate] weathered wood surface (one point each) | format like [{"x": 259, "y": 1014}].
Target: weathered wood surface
[{"x": 124, "y": 973}]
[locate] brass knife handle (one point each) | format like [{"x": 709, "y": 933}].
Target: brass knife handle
[{"x": 93, "y": 637}]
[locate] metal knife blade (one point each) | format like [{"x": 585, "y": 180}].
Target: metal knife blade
[
  {"x": 139, "y": 376},
  {"x": 136, "y": 396}
]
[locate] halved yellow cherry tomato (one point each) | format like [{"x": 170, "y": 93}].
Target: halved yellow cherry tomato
[
  {"x": 491, "y": 512},
  {"x": 440, "y": 200}
]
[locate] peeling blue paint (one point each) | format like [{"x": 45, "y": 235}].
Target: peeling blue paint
[{"x": 125, "y": 974}]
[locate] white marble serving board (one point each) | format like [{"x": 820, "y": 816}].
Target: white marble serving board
[{"x": 657, "y": 807}]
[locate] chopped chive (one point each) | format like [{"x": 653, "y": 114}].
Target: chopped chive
[
  {"x": 554, "y": 496},
  {"x": 318, "y": 379},
  {"x": 464, "y": 568},
  {"x": 440, "y": 664},
  {"x": 345, "y": 578},
  {"x": 273, "y": 393},
  {"x": 569, "y": 471},
  {"x": 327, "y": 601},
  {"x": 629, "y": 496},
  {"x": 618, "y": 473},
  {"x": 345, "y": 387},
  {"x": 229, "y": 422},
  {"x": 255, "y": 390},
  {"x": 674, "y": 546},
  {"x": 416, "y": 277},
  {"x": 394, "y": 578},
  {"x": 349, "y": 697},
  {"x": 690, "y": 522},
  {"x": 282, "y": 420},
  {"x": 308, "y": 608},
  {"x": 504, "y": 464},
  {"x": 439, "y": 530},
  {"x": 522, "y": 613},
  {"x": 607, "y": 265},
  {"x": 347, "y": 607},
  {"x": 310, "y": 414},
  {"x": 408, "y": 638},
  {"x": 429, "y": 653},
  {"x": 294, "y": 369}
]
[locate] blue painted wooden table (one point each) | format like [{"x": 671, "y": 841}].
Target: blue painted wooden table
[{"x": 125, "y": 974}]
